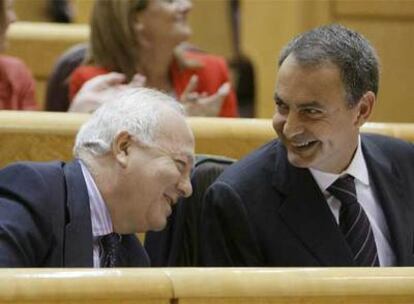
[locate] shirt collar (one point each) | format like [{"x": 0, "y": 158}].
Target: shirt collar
[
  {"x": 357, "y": 168},
  {"x": 100, "y": 217}
]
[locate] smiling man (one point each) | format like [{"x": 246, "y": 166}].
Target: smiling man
[
  {"x": 322, "y": 194},
  {"x": 133, "y": 161}
]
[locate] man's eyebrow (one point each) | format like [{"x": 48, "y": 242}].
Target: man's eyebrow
[
  {"x": 188, "y": 156},
  {"x": 312, "y": 103}
]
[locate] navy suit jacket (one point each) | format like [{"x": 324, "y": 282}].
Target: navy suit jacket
[
  {"x": 263, "y": 211},
  {"x": 45, "y": 218}
]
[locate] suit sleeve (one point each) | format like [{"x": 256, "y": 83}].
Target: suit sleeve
[
  {"x": 25, "y": 232},
  {"x": 226, "y": 235}
]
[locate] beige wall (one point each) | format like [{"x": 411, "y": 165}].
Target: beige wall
[
  {"x": 266, "y": 27},
  {"x": 388, "y": 24}
]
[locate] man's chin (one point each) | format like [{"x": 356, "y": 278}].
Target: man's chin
[
  {"x": 298, "y": 162},
  {"x": 159, "y": 226}
]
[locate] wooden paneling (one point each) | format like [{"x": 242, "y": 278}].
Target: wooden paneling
[
  {"x": 45, "y": 136},
  {"x": 388, "y": 24},
  {"x": 210, "y": 22},
  {"x": 266, "y": 27},
  {"x": 373, "y": 8},
  {"x": 32, "y": 10},
  {"x": 394, "y": 42}
]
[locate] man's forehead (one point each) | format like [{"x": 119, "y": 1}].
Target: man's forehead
[
  {"x": 186, "y": 151},
  {"x": 177, "y": 147}
]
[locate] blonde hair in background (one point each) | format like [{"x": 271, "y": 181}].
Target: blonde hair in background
[{"x": 113, "y": 43}]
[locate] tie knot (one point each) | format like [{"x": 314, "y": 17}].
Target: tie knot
[
  {"x": 110, "y": 244},
  {"x": 344, "y": 189},
  {"x": 110, "y": 240}
]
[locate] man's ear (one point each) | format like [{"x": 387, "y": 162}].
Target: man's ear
[
  {"x": 365, "y": 107},
  {"x": 121, "y": 148}
]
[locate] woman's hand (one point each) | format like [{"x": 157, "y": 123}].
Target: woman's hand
[{"x": 196, "y": 104}]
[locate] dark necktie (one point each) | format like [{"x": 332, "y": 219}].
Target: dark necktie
[
  {"x": 354, "y": 223},
  {"x": 110, "y": 250}
]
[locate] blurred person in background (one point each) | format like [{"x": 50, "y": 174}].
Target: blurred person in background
[
  {"x": 61, "y": 11},
  {"x": 145, "y": 41},
  {"x": 17, "y": 86}
]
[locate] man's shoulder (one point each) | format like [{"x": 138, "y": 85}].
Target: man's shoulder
[
  {"x": 392, "y": 152},
  {"x": 32, "y": 177},
  {"x": 387, "y": 144},
  {"x": 28, "y": 168},
  {"x": 254, "y": 167}
]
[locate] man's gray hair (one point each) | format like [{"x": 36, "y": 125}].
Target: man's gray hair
[
  {"x": 136, "y": 111},
  {"x": 348, "y": 50}
]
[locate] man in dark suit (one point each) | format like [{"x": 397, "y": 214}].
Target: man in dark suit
[
  {"x": 133, "y": 161},
  {"x": 322, "y": 194}
]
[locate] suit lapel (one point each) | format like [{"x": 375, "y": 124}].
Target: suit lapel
[
  {"x": 307, "y": 214},
  {"x": 392, "y": 197},
  {"x": 78, "y": 232}
]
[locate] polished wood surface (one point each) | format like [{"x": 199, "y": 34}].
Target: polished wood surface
[
  {"x": 143, "y": 286},
  {"x": 293, "y": 285},
  {"x": 208, "y": 285},
  {"x": 44, "y": 136}
]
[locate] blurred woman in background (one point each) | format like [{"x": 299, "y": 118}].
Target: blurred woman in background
[
  {"x": 17, "y": 86},
  {"x": 145, "y": 41}
]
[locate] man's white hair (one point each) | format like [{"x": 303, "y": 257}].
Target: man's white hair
[{"x": 136, "y": 111}]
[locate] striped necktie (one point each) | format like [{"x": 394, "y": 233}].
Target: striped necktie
[
  {"x": 110, "y": 250},
  {"x": 354, "y": 223}
]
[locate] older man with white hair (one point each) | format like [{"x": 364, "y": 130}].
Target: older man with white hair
[{"x": 133, "y": 161}]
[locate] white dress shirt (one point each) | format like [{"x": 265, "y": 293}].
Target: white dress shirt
[
  {"x": 366, "y": 197},
  {"x": 100, "y": 217}
]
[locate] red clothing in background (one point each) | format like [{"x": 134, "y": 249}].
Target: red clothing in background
[
  {"x": 211, "y": 76},
  {"x": 17, "y": 87}
]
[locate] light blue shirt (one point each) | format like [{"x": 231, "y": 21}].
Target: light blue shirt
[
  {"x": 366, "y": 197},
  {"x": 100, "y": 217}
]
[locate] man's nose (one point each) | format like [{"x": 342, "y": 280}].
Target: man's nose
[
  {"x": 185, "y": 187},
  {"x": 293, "y": 125}
]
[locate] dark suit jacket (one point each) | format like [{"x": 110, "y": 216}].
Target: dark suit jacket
[
  {"x": 262, "y": 211},
  {"x": 45, "y": 218}
]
